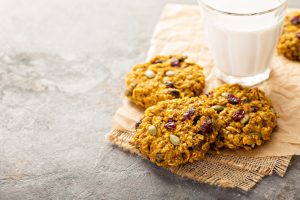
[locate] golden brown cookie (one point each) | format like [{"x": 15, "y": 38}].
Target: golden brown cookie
[
  {"x": 246, "y": 116},
  {"x": 289, "y": 44},
  {"x": 178, "y": 131},
  {"x": 164, "y": 78}
]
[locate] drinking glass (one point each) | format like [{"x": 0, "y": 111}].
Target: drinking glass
[{"x": 242, "y": 36}]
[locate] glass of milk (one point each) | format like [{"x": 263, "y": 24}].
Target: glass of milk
[{"x": 242, "y": 36}]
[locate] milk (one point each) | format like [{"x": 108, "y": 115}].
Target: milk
[
  {"x": 243, "y": 52},
  {"x": 243, "y": 45},
  {"x": 243, "y": 6}
]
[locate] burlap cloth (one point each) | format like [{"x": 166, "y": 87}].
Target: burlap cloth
[{"x": 179, "y": 30}]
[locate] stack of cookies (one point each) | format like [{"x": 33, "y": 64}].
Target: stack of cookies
[{"x": 180, "y": 125}]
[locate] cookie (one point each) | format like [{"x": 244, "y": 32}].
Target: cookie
[
  {"x": 164, "y": 78},
  {"x": 177, "y": 131},
  {"x": 289, "y": 44},
  {"x": 246, "y": 116}
]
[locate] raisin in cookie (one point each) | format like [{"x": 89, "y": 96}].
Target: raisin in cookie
[
  {"x": 177, "y": 131},
  {"x": 164, "y": 78},
  {"x": 246, "y": 116},
  {"x": 289, "y": 44}
]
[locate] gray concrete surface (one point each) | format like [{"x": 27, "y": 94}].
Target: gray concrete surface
[{"x": 62, "y": 64}]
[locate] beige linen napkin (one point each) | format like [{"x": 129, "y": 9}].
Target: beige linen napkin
[{"x": 180, "y": 30}]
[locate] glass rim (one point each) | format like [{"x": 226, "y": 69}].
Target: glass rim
[{"x": 283, "y": 4}]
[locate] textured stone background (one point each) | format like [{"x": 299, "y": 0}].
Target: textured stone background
[{"x": 62, "y": 64}]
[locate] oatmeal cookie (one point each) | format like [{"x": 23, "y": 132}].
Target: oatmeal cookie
[
  {"x": 246, "y": 116},
  {"x": 176, "y": 131},
  {"x": 164, "y": 78},
  {"x": 289, "y": 44}
]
